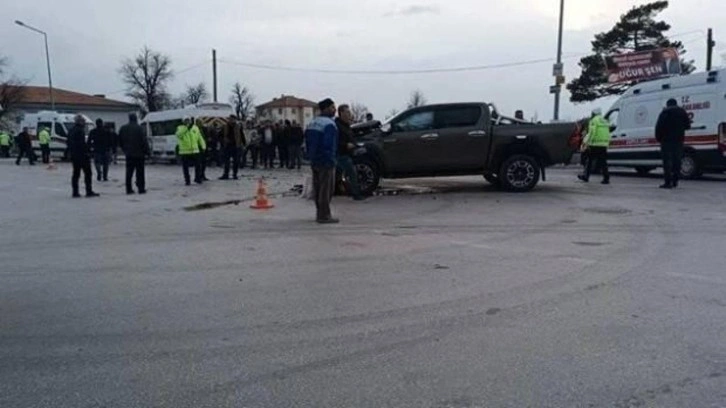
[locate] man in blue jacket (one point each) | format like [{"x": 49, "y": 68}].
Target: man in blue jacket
[{"x": 321, "y": 140}]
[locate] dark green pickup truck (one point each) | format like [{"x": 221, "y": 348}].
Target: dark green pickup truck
[{"x": 463, "y": 139}]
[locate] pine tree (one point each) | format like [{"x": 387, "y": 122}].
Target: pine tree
[{"x": 637, "y": 30}]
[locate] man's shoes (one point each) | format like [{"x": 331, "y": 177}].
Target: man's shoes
[
  {"x": 666, "y": 186},
  {"x": 130, "y": 192},
  {"x": 92, "y": 194},
  {"x": 583, "y": 178},
  {"x": 199, "y": 181},
  {"x": 328, "y": 221},
  {"x": 186, "y": 183},
  {"x": 675, "y": 183},
  {"x": 359, "y": 198},
  {"x": 205, "y": 178},
  {"x": 142, "y": 191},
  {"x": 235, "y": 178},
  {"x": 105, "y": 179},
  {"x": 605, "y": 182},
  {"x": 224, "y": 178},
  {"x": 76, "y": 195}
]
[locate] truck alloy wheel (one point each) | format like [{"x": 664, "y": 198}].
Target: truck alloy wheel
[
  {"x": 368, "y": 175},
  {"x": 520, "y": 173}
]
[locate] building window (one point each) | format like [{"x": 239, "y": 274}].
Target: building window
[
  {"x": 279, "y": 111},
  {"x": 294, "y": 111}
]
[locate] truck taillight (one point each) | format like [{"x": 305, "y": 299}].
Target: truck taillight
[{"x": 722, "y": 138}]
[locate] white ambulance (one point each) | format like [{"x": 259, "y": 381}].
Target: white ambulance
[
  {"x": 58, "y": 124},
  {"x": 161, "y": 126},
  {"x": 635, "y": 114}
]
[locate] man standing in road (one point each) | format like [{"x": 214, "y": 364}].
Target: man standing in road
[
  {"x": 346, "y": 146},
  {"x": 135, "y": 145},
  {"x": 297, "y": 137},
  {"x": 321, "y": 140},
  {"x": 670, "y": 131},
  {"x": 4, "y": 144},
  {"x": 44, "y": 142},
  {"x": 25, "y": 147},
  {"x": 80, "y": 157},
  {"x": 188, "y": 145},
  {"x": 232, "y": 141},
  {"x": 597, "y": 142},
  {"x": 201, "y": 137},
  {"x": 99, "y": 140}
]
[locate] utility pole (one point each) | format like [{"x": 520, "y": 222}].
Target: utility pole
[
  {"x": 710, "y": 43},
  {"x": 47, "y": 59},
  {"x": 558, "y": 71},
  {"x": 214, "y": 73}
]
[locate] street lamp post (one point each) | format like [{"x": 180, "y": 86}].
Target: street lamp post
[
  {"x": 47, "y": 59},
  {"x": 558, "y": 86}
]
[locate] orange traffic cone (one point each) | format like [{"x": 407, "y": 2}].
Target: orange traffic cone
[{"x": 261, "y": 202}]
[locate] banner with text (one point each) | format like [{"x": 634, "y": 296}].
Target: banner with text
[{"x": 642, "y": 65}]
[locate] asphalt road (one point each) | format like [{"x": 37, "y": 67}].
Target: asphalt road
[{"x": 573, "y": 295}]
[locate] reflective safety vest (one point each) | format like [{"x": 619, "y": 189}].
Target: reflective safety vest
[
  {"x": 598, "y": 134},
  {"x": 185, "y": 139},
  {"x": 44, "y": 137},
  {"x": 4, "y": 139}
]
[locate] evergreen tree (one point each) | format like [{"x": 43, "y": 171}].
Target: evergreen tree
[{"x": 637, "y": 30}]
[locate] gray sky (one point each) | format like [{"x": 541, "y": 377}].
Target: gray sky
[{"x": 89, "y": 38}]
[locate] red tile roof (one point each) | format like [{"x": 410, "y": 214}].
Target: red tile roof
[
  {"x": 288, "y": 101},
  {"x": 40, "y": 95}
]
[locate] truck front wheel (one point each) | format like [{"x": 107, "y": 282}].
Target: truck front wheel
[
  {"x": 369, "y": 176},
  {"x": 519, "y": 173}
]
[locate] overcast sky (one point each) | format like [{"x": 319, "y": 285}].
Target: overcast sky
[{"x": 89, "y": 38}]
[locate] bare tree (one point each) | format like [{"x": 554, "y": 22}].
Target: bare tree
[
  {"x": 359, "y": 111},
  {"x": 242, "y": 100},
  {"x": 417, "y": 99},
  {"x": 196, "y": 94},
  {"x": 146, "y": 76},
  {"x": 12, "y": 91},
  {"x": 392, "y": 113}
]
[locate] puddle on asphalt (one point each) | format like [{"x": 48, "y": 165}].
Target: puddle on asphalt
[
  {"x": 591, "y": 244},
  {"x": 608, "y": 211}
]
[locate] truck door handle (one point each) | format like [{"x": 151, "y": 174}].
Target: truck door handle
[
  {"x": 430, "y": 136},
  {"x": 478, "y": 133}
]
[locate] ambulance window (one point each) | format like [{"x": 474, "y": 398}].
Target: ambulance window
[
  {"x": 60, "y": 130},
  {"x": 612, "y": 117}
]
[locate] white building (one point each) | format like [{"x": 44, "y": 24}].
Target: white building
[
  {"x": 288, "y": 107},
  {"x": 37, "y": 98}
]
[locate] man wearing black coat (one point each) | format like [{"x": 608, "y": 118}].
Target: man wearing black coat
[
  {"x": 135, "y": 145},
  {"x": 670, "y": 131},
  {"x": 99, "y": 140},
  {"x": 25, "y": 147},
  {"x": 79, "y": 152}
]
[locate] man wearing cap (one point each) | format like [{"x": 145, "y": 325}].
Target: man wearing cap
[
  {"x": 670, "y": 131},
  {"x": 597, "y": 142},
  {"x": 321, "y": 140}
]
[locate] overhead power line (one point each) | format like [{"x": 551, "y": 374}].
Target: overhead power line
[{"x": 390, "y": 72}]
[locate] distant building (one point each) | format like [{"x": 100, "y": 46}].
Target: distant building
[
  {"x": 288, "y": 107},
  {"x": 37, "y": 98}
]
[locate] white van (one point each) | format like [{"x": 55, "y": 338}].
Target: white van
[
  {"x": 635, "y": 114},
  {"x": 59, "y": 124},
  {"x": 161, "y": 126}
]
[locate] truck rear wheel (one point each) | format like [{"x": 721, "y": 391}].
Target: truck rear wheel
[{"x": 519, "y": 173}]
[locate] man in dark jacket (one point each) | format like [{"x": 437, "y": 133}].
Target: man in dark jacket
[
  {"x": 670, "y": 131},
  {"x": 297, "y": 137},
  {"x": 346, "y": 145},
  {"x": 233, "y": 140},
  {"x": 282, "y": 136},
  {"x": 99, "y": 140},
  {"x": 80, "y": 157},
  {"x": 134, "y": 143},
  {"x": 25, "y": 147}
]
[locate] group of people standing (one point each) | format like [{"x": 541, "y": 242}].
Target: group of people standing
[{"x": 670, "y": 132}]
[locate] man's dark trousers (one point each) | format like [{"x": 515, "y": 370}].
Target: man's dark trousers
[
  {"x": 347, "y": 167},
  {"x": 231, "y": 153},
  {"x": 323, "y": 186},
  {"x": 672, "y": 155},
  {"x": 27, "y": 152},
  {"x": 83, "y": 165},
  {"x": 101, "y": 160},
  {"x": 598, "y": 156},
  {"x": 136, "y": 165},
  {"x": 45, "y": 153}
]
